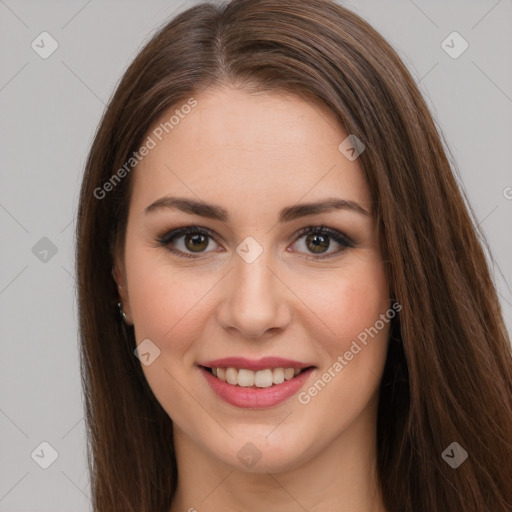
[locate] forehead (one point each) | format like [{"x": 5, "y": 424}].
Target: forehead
[{"x": 262, "y": 147}]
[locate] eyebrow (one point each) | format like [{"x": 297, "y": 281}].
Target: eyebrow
[{"x": 287, "y": 214}]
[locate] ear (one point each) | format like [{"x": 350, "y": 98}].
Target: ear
[{"x": 119, "y": 275}]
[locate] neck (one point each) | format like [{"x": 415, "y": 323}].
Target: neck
[{"x": 339, "y": 478}]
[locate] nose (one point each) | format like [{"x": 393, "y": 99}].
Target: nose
[{"x": 255, "y": 300}]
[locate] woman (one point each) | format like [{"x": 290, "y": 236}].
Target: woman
[{"x": 306, "y": 317}]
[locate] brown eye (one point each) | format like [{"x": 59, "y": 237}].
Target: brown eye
[
  {"x": 317, "y": 240},
  {"x": 196, "y": 242},
  {"x": 187, "y": 241},
  {"x": 317, "y": 243},
  {"x": 192, "y": 241}
]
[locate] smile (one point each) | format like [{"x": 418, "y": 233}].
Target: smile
[
  {"x": 255, "y": 384},
  {"x": 246, "y": 378}
]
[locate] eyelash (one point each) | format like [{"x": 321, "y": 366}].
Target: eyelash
[{"x": 168, "y": 237}]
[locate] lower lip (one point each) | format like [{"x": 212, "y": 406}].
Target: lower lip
[{"x": 256, "y": 398}]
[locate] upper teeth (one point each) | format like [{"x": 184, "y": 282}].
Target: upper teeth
[{"x": 260, "y": 379}]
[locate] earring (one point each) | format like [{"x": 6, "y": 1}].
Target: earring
[{"x": 122, "y": 314}]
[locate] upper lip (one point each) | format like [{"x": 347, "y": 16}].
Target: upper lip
[{"x": 254, "y": 364}]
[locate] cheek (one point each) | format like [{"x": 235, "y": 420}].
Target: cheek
[
  {"x": 350, "y": 303},
  {"x": 168, "y": 304},
  {"x": 363, "y": 303},
  {"x": 355, "y": 345}
]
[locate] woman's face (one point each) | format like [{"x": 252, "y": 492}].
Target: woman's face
[{"x": 250, "y": 285}]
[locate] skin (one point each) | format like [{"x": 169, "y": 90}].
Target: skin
[{"x": 254, "y": 154}]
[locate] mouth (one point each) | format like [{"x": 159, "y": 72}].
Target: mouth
[
  {"x": 256, "y": 383},
  {"x": 247, "y": 378}
]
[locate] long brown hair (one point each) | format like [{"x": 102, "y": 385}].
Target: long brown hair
[{"x": 448, "y": 379}]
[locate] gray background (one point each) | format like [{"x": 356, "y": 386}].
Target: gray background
[{"x": 50, "y": 109}]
